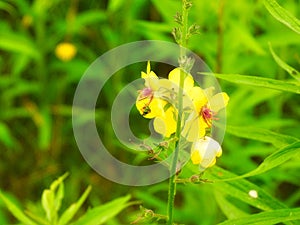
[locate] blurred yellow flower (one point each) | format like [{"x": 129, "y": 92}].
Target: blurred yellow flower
[
  {"x": 65, "y": 51},
  {"x": 204, "y": 152}
]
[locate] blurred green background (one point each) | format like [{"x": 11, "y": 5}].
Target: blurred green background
[{"x": 38, "y": 78}]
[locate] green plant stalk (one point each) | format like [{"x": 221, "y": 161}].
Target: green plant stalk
[{"x": 172, "y": 180}]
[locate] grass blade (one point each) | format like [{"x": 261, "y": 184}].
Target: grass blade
[
  {"x": 258, "y": 82},
  {"x": 72, "y": 210},
  {"x": 239, "y": 189},
  {"x": 263, "y": 218},
  {"x": 263, "y": 135},
  {"x": 282, "y": 15},
  {"x": 16, "y": 211},
  {"x": 277, "y": 158},
  {"x": 103, "y": 213},
  {"x": 293, "y": 72}
]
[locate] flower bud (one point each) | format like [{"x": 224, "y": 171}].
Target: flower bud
[{"x": 204, "y": 152}]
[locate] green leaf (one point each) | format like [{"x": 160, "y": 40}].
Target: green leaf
[
  {"x": 4, "y": 6},
  {"x": 48, "y": 205},
  {"x": 263, "y": 218},
  {"x": 103, "y": 213},
  {"x": 40, "y": 220},
  {"x": 16, "y": 211},
  {"x": 71, "y": 211},
  {"x": 45, "y": 128},
  {"x": 293, "y": 72},
  {"x": 87, "y": 17},
  {"x": 282, "y": 15},
  {"x": 51, "y": 201},
  {"x": 263, "y": 135},
  {"x": 19, "y": 44},
  {"x": 258, "y": 82},
  {"x": 230, "y": 210},
  {"x": 239, "y": 189},
  {"x": 114, "y": 5},
  {"x": 277, "y": 158},
  {"x": 5, "y": 136}
]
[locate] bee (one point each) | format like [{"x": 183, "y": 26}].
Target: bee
[{"x": 146, "y": 110}]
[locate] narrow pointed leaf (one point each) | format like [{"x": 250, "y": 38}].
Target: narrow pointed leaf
[
  {"x": 40, "y": 220},
  {"x": 230, "y": 210},
  {"x": 16, "y": 211},
  {"x": 263, "y": 135},
  {"x": 264, "y": 218},
  {"x": 103, "y": 213},
  {"x": 50, "y": 201},
  {"x": 48, "y": 204},
  {"x": 282, "y": 15},
  {"x": 72, "y": 210},
  {"x": 239, "y": 189},
  {"x": 293, "y": 72},
  {"x": 258, "y": 82},
  {"x": 277, "y": 158}
]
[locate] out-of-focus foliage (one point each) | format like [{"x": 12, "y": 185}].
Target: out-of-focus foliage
[
  {"x": 252, "y": 46},
  {"x": 51, "y": 202}
]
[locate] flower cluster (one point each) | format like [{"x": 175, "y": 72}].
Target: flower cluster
[{"x": 158, "y": 100}]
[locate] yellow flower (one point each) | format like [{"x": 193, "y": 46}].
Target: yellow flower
[
  {"x": 148, "y": 104},
  {"x": 204, "y": 152},
  {"x": 166, "y": 123},
  {"x": 206, "y": 107},
  {"x": 65, "y": 51}
]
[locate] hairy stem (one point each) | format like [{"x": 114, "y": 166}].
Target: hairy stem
[{"x": 172, "y": 181}]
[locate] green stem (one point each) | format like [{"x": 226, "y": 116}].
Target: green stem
[{"x": 173, "y": 178}]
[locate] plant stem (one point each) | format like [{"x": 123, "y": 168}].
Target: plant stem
[{"x": 172, "y": 180}]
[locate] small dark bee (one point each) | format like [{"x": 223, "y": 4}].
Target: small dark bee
[{"x": 146, "y": 110}]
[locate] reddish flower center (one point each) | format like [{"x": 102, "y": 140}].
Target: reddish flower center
[
  {"x": 208, "y": 115},
  {"x": 146, "y": 92}
]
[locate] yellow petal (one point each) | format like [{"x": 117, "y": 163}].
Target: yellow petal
[
  {"x": 198, "y": 97},
  {"x": 194, "y": 128},
  {"x": 208, "y": 149},
  {"x": 165, "y": 124},
  {"x": 152, "y": 82},
  {"x": 154, "y": 109},
  {"x": 148, "y": 67},
  {"x": 175, "y": 74},
  {"x": 218, "y": 101},
  {"x": 212, "y": 163},
  {"x": 196, "y": 157}
]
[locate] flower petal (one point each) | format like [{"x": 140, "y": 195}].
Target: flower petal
[
  {"x": 174, "y": 76},
  {"x": 196, "y": 157},
  {"x": 198, "y": 97},
  {"x": 166, "y": 124},
  {"x": 154, "y": 109},
  {"x": 208, "y": 149},
  {"x": 218, "y": 101},
  {"x": 194, "y": 128}
]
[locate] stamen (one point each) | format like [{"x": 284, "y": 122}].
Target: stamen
[
  {"x": 146, "y": 92},
  {"x": 208, "y": 115}
]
